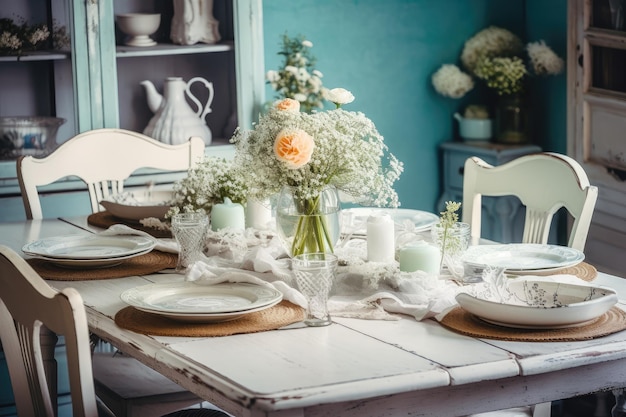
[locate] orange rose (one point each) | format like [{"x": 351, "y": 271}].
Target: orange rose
[
  {"x": 294, "y": 147},
  {"x": 288, "y": 104}
]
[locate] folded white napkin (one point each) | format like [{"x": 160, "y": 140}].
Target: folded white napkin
[{"x": 164, "y": 245}]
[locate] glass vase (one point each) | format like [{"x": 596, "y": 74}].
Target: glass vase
[
  {"x": 308, "y": 225},
  {"x": 452, "y": 243},
  {"x": 511, "y": 120}
]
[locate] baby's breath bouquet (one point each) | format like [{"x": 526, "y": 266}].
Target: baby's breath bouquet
[
  {"x": 497, "y": 57},
  {"x": 298, "y": 79},
  {"x": 207, "y": 184},
  {"x": 310, "y": 151}
]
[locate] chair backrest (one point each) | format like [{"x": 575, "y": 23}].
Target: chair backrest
[
  {"x": 103, "y": 159},
  {"x": 544, "y": 182},
  {"x": 26, "y": 303}
]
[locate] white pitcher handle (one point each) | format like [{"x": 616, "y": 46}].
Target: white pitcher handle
[{"x": 201, "y": 111}]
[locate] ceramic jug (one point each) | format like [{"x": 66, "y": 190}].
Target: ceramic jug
[{"x": 174, "y": 121}]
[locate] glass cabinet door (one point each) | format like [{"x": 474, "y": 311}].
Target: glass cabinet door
[{"x": 602, "y": 72}]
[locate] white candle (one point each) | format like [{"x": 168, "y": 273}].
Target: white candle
[
  {"x": 258, "y": 214},
  {"x": 228, "y": 214},
  {"x": 419, "y": 256},
  {"x": 380, "y": 238}
]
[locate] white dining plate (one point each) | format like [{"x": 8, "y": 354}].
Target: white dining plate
[
  {"x": 354, "y": 220},
  {"x": 519, "y": 257},
  {"x": 136, "y": 207},
  {"x": 89, "y": 247},
  {"x": 91, "y": 263},
  {"x": 190, "y": 301},
  {"x": 542, "y": 305}
]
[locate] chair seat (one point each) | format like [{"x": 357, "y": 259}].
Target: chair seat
[{"x": 130, "y": 388}]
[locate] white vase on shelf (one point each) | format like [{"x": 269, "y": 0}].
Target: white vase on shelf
[{"x": 193, "y": 22}]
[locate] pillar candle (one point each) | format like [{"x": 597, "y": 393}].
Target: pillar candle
[
  {"x": 258, "y": 214},
  {"x": 380, "y": 238},
  {"x": 228, "y": 214},
  {"x": 419, "y": 256}
]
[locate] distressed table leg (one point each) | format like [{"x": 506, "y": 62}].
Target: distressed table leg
[{"x": 619, "y": 409}]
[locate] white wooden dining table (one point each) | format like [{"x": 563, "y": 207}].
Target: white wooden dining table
[{"x": 353, "y": 367}]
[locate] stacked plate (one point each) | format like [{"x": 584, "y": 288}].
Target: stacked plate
[
  {"x": 354, "y": 220},
  {"x": 89, "y": 251},
  {"x": 193, "y": 302},
  {"x": 523, "y": 258}
]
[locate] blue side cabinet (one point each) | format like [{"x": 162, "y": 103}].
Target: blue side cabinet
[{"x": 502, "y": 217}]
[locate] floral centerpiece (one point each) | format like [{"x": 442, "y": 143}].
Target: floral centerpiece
[
  {"x": 18, "y": 37},
  {"x": 298, "y": 79},
  {"x": 309, "y": 152},
  {"x": 206, "y": 184}
]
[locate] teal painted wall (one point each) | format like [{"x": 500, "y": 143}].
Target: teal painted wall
[{"x": 385, "y": 53}]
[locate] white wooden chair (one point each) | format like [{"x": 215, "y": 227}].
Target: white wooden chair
[
  {"x": 544, "y": 183},
  {"x": 103, "y": 159},
  {"x": 27, "y": 303}
]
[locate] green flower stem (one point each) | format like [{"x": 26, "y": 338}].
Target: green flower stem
[{"x": 312, "y": 233}]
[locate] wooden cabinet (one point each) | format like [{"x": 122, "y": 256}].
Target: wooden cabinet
[
  {"x": 95, "y": 83},
  {"x": 597, "y": 120},
  {"x": 502, "y": 217}
]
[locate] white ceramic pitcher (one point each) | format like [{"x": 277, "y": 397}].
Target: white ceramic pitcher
[{"x": 174, "y": 120}]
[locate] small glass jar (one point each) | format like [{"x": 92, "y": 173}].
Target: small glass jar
[{"x": 452, "y": 243}]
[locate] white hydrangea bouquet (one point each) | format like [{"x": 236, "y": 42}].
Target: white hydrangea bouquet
[
  {"x": 497, "y": 57},
  {"x": 298, "y": 79},
  {"x": 310, "y": 151}
]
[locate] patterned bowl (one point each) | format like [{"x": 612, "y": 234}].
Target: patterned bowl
[
  {"x": 537, "y": 304},
  {"x": 28, "y": 135}
]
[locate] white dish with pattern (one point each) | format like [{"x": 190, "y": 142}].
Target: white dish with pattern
[{"x": 541, "y": 304}]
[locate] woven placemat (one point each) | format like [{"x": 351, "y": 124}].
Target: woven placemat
[
  {"x": 459, "y": 320},
  {"x": 148, "y": 263},
  {"x": 272, "y": 318},
  {"x": 582, "y": 270},
  {"x": 104, "y": 219}
]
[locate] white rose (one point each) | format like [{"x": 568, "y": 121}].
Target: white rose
[{"x": 339, "y": 96}]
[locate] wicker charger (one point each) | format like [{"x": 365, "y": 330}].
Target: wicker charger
[
  {"x": 272, "y": 318},
  {"x": 104, "y": 219},
  {"x": 148, "y": 263},
  {"x": 612, "y": 321},
  {"x": 582, "y": 270},
  {"x": 466, "y": 323}
]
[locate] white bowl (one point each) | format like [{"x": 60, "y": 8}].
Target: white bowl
[
  {"x": 139, "y": 27},
  {"x": 136, "y": 207},
  {"x": 542, "y": 305}
]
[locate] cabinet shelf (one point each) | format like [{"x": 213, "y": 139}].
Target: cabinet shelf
[
  {"x": 36, "y": 56},
  {"x": 172, "y": 49}
]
